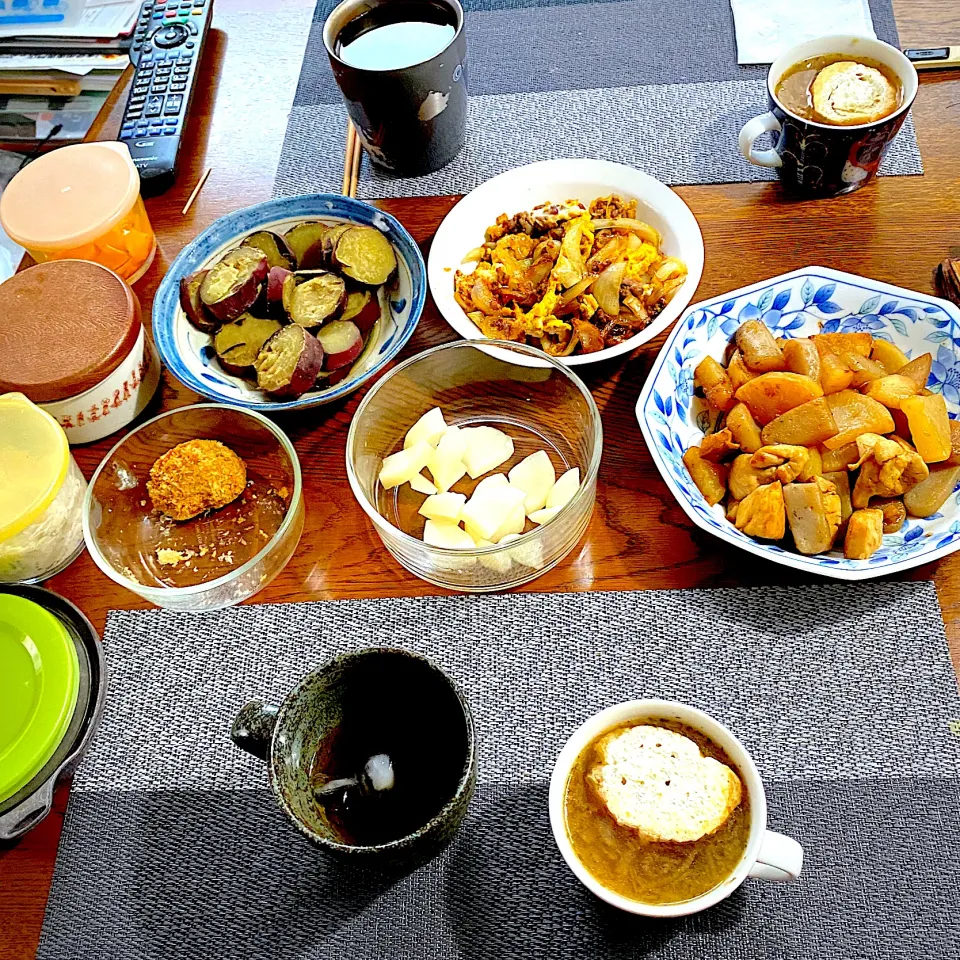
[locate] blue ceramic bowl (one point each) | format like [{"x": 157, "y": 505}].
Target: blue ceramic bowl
[
  {"x": 798, "y": 304},
  {"x": 189, "y": 354}
]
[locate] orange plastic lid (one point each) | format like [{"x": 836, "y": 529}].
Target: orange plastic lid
[{"x": 70, "y": 196}]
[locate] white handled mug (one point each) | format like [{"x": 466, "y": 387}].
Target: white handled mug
[
  {"x": 768, "y": 855},
  {"x": 820, "y": 159}
]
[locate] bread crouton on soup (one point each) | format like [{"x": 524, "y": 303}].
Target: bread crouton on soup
[{"x": 657, "y": 782}]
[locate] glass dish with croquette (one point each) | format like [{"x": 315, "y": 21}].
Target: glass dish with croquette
[
  {"x": 822, "y": 443},
  {"x": 190, "y": 521}
]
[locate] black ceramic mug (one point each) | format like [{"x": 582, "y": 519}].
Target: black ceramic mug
[
  {"x": 394, "y": 705},
  {"x": 818, "y": 159},
  {"x": 411, "y": 120}
]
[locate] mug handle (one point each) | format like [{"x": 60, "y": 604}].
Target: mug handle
[
  {"x": 780, "y": 858},
  {"x": 252, "y": 728},
  {"x": 766, "y": 123}
]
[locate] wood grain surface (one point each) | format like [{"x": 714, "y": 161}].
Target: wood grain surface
[{"x": 895, "y": 230}]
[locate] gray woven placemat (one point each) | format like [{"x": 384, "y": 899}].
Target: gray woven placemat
[
  {"x": 654, "y": 85},
  {"x": 172, "y": 846}
]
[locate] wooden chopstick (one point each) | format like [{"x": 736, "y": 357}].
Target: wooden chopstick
[
  {"x": 196, "y": 191},
  {"x": 355, "y": 165},
  {"x": 351, "y": 146}
]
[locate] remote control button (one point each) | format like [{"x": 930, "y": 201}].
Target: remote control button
[
  {"x": 174, "y": 103},
  {"x": 127, "y": 131},
  {"x": 138, "y": 100},
  {"x": 172, "y": 36},
  {"x": 154, "y": 106},
  {"x": 189, "y": 45},
  {"x": 178, "y": 87},
  {"x": 182, "y": 68}
]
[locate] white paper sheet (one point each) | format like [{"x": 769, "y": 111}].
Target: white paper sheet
[
  {"x": 78, "y": 64},
  {"x": 767, "y": 28}
]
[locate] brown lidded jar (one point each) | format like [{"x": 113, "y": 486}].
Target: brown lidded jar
[{"x": 71, "y": 340}]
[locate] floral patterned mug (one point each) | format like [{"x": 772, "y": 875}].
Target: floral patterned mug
[{"x": 819, "y": 159}]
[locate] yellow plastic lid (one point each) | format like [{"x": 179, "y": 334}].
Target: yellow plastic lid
[
  {"x": 70, "y": 196},
  {"x": 34, "y": 459}
]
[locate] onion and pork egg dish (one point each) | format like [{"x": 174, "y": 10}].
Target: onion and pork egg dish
[{"x": 567, "y": 278}]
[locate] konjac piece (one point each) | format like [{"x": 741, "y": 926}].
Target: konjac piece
[{"x": 813, "y": 531}]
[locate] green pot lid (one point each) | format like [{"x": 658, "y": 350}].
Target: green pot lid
[{"x": 39, "y": 679}]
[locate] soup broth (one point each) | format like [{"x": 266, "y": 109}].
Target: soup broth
[
  {"x": 651, "y": 872},
  {"x": 795, "y": 88}
]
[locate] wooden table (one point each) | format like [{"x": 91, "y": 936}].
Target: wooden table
[{"x": 895, "y": 230}]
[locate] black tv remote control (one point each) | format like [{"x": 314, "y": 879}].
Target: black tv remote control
[{"x": 167, "y": 43}]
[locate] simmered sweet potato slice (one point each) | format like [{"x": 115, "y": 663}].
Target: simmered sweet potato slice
[
  {"x": 772, "y": 394},
  {"x": 856, "y": 414},
  {"x": 809, "y": 424}
]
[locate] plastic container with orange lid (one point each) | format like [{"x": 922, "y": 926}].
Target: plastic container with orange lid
[
  {"x": 41, "y": 494},
  {"x": 81, "y": 202}
]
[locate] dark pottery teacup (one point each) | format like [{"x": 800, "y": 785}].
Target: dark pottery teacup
[
  {"x": 819, "y": 159},
  {"x": 378, "y": 704},
  {"x": 411, "y": 120}
]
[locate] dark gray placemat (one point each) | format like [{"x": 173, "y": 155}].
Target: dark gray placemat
[
  {"x": 654, "y": 85},
  {"x": 172, "y": 846}
]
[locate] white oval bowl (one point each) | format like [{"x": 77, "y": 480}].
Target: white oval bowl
[{"x": 555, "y": 181}]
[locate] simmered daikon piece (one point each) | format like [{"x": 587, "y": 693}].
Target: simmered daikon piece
[
  {"x": 772, "y": 394},
  {"x": 810, "y": 423},
  {"x": 717, "y": 386},
  {"x": 761, "y": 352},
  {"x": 929, "y": 426}
]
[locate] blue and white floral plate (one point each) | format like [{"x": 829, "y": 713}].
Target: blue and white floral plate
[
  {"x": 189, "y": 354},
  {"x": 798, "y": 304}
]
